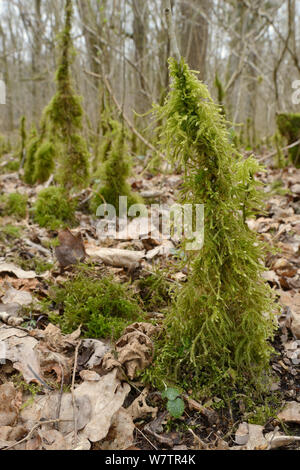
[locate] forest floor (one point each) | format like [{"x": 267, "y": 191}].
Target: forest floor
[{"x": 47, "y": 375}]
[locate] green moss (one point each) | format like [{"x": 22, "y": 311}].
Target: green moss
[
  {"x": 36, "y": 264},
  {"x": 102, "y": 306},
  {"x": 10, "y": 231},
  {"x": 155, "y": 291},
  {"x": 23, "y": 138},
  {"x": 60, "y": 137},
  {"x": 289, "y": 127},
  {"x": 216, "y": 334},
  {"x": 281, "y": 161},
  {"x": 14, "y": 204},
  {"x": 5, "y": 146},
  {"x": 44, "y": 162},
  {"x": 31, "y": 149},
  {"x": 53, "y": 208},
  {"x": 114, "y": 176}
]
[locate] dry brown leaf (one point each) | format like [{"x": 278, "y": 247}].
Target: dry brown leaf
[
  {"x": 139, "y": 408},
  {"x": 134, "y": 350},
  {"x": 106, "y": 397},
  {"x": 290, "y": 413},
  {"x": 11, "y": 268},
  {"x": 20, "y": 349},
  {"x": 120, "y": 435},
  {"x": 71, "y": 249},
  {"x": 10, "y": 402},
  {"x": 115, "y": 257}
]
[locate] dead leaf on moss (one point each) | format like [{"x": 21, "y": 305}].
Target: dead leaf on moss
[
  {"x": 115, "y": 257},
  {"x": 71, "y": 249},
  {"x": 134, "y": 350},
  {"x": 56, "y": 341}
]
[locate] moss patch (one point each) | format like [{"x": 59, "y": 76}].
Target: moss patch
[
  {"x": 102, "y": 306},
  {"x": 53, "y": 208},
  {"x": 289, "y": 127},
  {"x": 14, "y": 204},
  {"x": 216, "y": 333}
]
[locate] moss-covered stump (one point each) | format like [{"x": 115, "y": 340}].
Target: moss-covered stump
[
  {"x": 289, "y": 127},
  {"x": 216, "y": 334}
]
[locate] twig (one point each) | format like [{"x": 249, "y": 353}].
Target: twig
[
  {"x": 145, "y": 437},
  {"x": 60, "y": 395},
  {"x": 269, "y": 155},
  {"x": 72, "y": 391},
  {"x": 171, "y": 29},
  {"x": 35, "y": 427}
]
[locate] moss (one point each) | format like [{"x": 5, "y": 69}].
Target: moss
[
  {"x": 14, "y": 204},
  {"x": 102, "y": 306},
  {"x": 114, "y": 176},
  {"x": 36, "y": 264},
  {"x": 44, "y": 162},
  {"x": 23, "y": 138},
  {"x": 31, "y": 149},
  {"x": 155, "y": 291},
  {"x": 281, "y": 161},
  {"x": 5, "y": 146},
  {"x": 289, "y": 127},
  {"x": 53, "y": 208},
  {"x": 10, "y": 231},
  {"x": 62, "y": 124},
  {"x": 216, "y": 333}
]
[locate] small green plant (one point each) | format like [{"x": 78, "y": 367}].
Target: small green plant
[
  {"x": 14, "y": 204},
  {"x": 114, "y": 176},
  {"x": 102, "y": 306},
  {"x": 54, "y": 209},
  {"x": 175, "y": 404},
  {"x": 289, "y": 127}
]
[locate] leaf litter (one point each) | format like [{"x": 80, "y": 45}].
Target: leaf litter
[{"x": 85, "y": 393}]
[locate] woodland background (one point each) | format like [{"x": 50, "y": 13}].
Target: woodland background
[{"x": 247, "y": 52}]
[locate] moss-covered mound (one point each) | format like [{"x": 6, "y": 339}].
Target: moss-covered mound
[
  {"x": 289, "y": 127},
  {"x": 216, "y": 334},
  {"x": 102, "y": 306},
  {"x": 54, "y": 209},
  {"x": 14, "y": 204}
]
